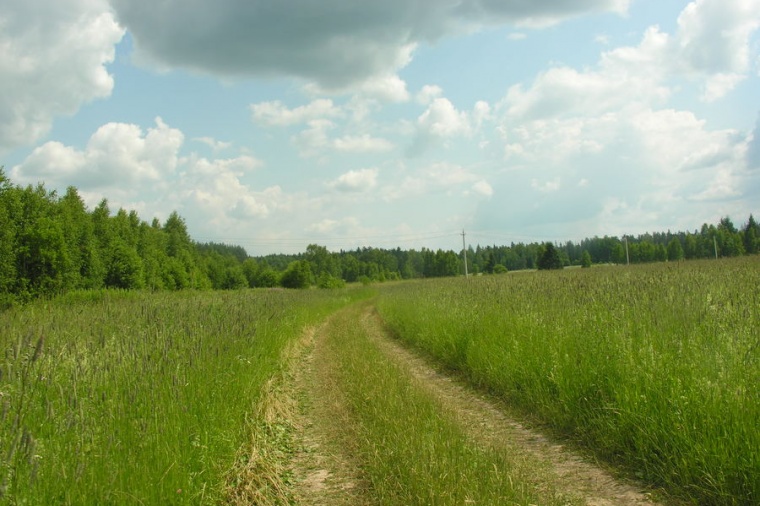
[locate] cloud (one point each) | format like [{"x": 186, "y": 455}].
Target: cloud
[
  {"x": 362, "y": 144},
  {"x": 355, "y": 181},
  {"x": 439, "y": 177},
  {"x": 214, "y": 144},
  {"x": 711, "y": 46},
  {"x": 713, "y": 35},
  {"x": 568, "y": 114},
  {"x": 546, "y": 186},
  {"x": 428, "y": 93},
  {"x": 753, "y": 148},
  {"x": 53, "y": 58},
  {"x": 440, "y": 121},
  {"x": 213, "y": 191},
  {"x": 126, "y": 163},
  {"x": 275, "y": 113},
  {"x": 656, "y": 166},
  {"x": 386, "y": 88},
  {"x": 324, "y": 226},
  {"x": 117, "y": 154},
  {"x": 483, "y": 188},
  {"x": 313, "y": 141},
  {"x": 333, "y": 43},
  {"x": 637, "y": 164}
]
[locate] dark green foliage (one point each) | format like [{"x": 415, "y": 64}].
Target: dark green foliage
[
  {"x": 124, "y": 267},
  {"x": 327, "y": 281},
  {"x": 549, "y": 258},
  {"x": 490, "y": 265},
  {"x": 586, "y": 259},
  {"x": 51, "y": 244},
  {"x": 675, "y": 250},
  {"x": 267, "y": 278},
  {"x": 751, "y": 235},
  {"x": 297, "y": 275}
]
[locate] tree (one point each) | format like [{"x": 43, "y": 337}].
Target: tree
[
  {"x": 124, "y": 267},
  {"x": 549, "y": 258},
  {"x": 297, "y": 275},
  {"x": 86, "y": 268},
  {"x": 322, "y": 261},
  {"x": 351, "y": 268},
  {"x": 9, "y": 205},
  {"x": 690, "y": 250},
  {"x": 585, "y": 259},
  {"x": 490, "y": 263},
  {"x": 675, "y": 250},
  {"x": 617, "y": 253},
  {"x": 751, "y": 242},
  {"x": 267, "y": 278},
  {"x": 41, "y": 256}
]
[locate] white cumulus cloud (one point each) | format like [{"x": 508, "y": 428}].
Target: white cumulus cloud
[
  {"x": 275, "y": 113},
  {"x": 362, "y": 144},
  {"x": 53, "y": 58},
  {"x": 355, "y": 181},
  {"x": 117, "y": 154}
]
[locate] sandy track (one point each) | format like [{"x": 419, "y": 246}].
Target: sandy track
[{"x": 326, "y": 473}]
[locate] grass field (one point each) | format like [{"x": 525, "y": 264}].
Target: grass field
[
  {"x": 137, "y": 398},
  {"x": 411, "y": 447},
  {"x": 654, "y": 368}
]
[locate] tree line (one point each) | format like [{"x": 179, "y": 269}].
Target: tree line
[{"x": 51, "y": 244}]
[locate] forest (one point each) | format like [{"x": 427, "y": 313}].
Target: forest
[{"x": 51, "y": 244}]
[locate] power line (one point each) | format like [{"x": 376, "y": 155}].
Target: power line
[{"x": 295, "y": 241}]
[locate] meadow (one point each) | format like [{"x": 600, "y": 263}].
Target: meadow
[
  {"x": 654, "y": 369},
  {"x": 118, "y": 397},
  {"x": 411, "y": 447},
  {"x": 111, "y": 397}
]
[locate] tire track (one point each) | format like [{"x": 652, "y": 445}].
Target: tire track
[{"x": 570, "y": 475}]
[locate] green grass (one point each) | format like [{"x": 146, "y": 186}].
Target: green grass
[
  {"x": 654, "y": 368},
  {"x": 412, "y": 450},
  {"x": 137, "y": 398}
]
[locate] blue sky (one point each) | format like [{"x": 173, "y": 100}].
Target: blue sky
[{"x": 276, "y": 124}]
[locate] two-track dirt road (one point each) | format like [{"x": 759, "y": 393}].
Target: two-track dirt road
[{"x": 325, "y": 471}]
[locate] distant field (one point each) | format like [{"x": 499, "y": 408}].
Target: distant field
[
  {"x": 138, "y": 398},
  {"x": 655, "y": 368}
]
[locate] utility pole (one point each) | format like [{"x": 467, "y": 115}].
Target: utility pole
[
  {"x": 464, "y": 250},
  {"x": 627, "y": 258},
  {"x": 715, "y": 245}
]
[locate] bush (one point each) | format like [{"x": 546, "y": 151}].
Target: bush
[
  {"x": 329, "y": 282},
  {"x": 297, "y": 275}
]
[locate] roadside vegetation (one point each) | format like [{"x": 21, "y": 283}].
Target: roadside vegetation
[
  {"x": 111, "y": 397},
  {"x": 653, "y": 368},
  {"x": 411, "y": 448}
]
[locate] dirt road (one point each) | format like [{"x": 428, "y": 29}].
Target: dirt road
[{"x": 325, "y": 471}]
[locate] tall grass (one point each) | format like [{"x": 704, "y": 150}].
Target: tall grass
[
  {"x": 412, "y": 449},
  {"x": 655, "y": 368},
  {"x": 124, "y": 398}
]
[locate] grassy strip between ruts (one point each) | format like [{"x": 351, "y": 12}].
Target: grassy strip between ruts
[
  {"x": 412, "y": 451},
  {"x": 655, "y": 368},
  {"x": 138, "y": 398}
]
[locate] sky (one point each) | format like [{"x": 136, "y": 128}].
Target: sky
[{"x": 274, "y": 124}]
